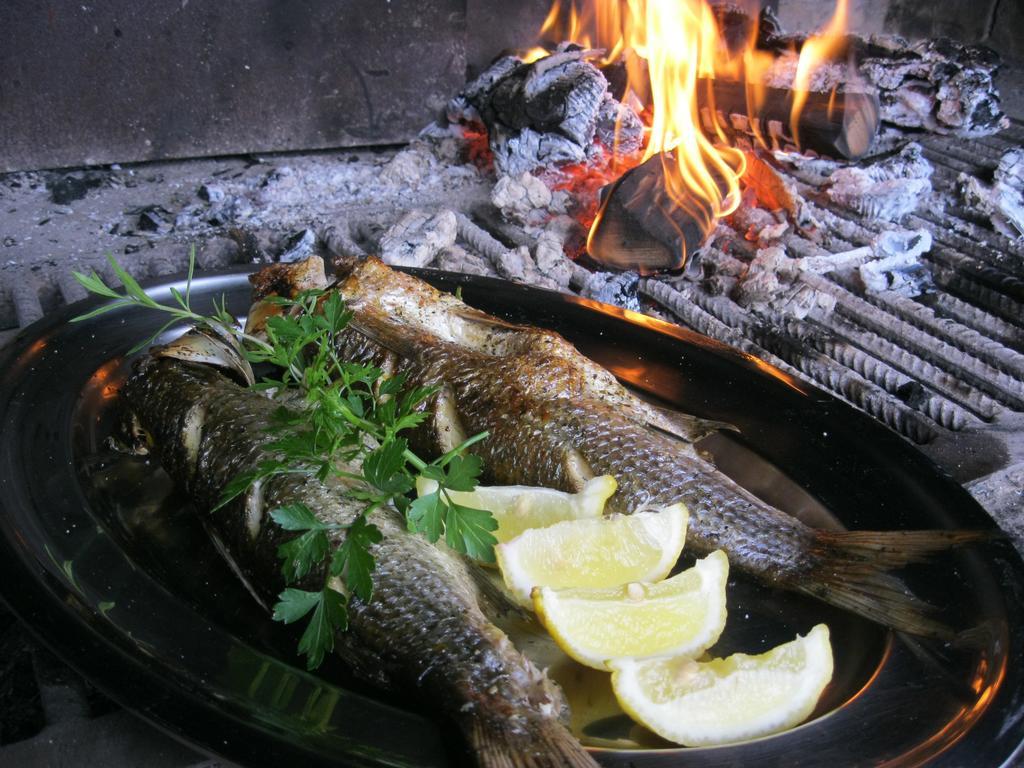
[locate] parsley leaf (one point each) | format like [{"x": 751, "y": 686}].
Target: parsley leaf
[
  {"x": 461, "y": 472},
  {"x": 293, "y": 604},
  {"x": 353, "y": 557},
  {"x": 426, "y": 515},
  {"x": 303, "y": 553},
  {"x": 329, "y": 616},
  {"x": 468, "y": 530},
  {"x": 296, "y": 517},
  {"x": 385, "y": 468}
]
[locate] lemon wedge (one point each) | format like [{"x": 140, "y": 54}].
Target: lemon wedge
[
  {"x": 517, "y": 508},
  {"x": 726, "y": 700},
  {"x": 594, "y": 553},
  {"x": 681, "y": 616}
]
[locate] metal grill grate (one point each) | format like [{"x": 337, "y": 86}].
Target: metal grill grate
[{"x": 946, "y": 369}]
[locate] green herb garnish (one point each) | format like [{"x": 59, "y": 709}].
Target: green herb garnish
[{"x": 349, "y": 413}]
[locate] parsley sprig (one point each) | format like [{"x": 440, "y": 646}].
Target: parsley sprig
[{"x": 344, "y": 428}]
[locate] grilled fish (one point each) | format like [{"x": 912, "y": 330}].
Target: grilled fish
[
  {"x": 424, "y": 629},
  {"x": 556, "y": 419}
]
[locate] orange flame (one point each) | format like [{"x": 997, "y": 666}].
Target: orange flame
[
  {"x": 673, "y": 51},
  {"x": 816, "y": 50},
  {"x": 678, "y": 39}
]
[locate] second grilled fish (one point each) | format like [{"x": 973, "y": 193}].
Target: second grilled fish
[{"x": 556, "y": 418}]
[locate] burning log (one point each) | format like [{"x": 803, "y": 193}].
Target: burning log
[
  {"x": 838, "y": 124},
  {"x": 547, "y": 112},
  {"x": 641, "y": 227},
  {"x": 938, "y": 85}
]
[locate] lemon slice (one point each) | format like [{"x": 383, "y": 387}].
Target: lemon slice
[
  {"x": 594, "y": 553},
  {"x": 517, "y": 508},
  {"x": 726, "y": 700},
  {"x": 678, "y": 617}
]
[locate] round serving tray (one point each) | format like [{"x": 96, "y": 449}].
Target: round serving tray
[{"x": 104, "y": 560}]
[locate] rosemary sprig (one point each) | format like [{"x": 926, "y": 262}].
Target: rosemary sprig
[{"x": 350, "y": 415}]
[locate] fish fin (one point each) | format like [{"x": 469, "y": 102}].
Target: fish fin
[
  {"x": 941, "y": 658},
  {"x": 577, "y": 469},
  {"x": 385, "y": 334},
  {"x": 447, "y": 424},
  {"x": 852, "y": 573},
  {"x": 687, "y": 428},
  {"x": 516, "y": 742},
  {"x": 471, "y": 315},
  {"x": 494, "y": 599}
]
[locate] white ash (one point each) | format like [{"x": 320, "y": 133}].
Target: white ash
[
  {"x": 525, "y": 150},
  {"x": 1003, "y": 200},
  {"x": 457, "y": 259},
  {"x": 315, "y": 190},
  {"x": 762, "y": 281},
  {"x": 815, "y": 171},
  {"x": 772, "y": 283},
  {"x": 759, "y": 225},
  {"x": 898, "y": 266},
  {"x": 769, "y": 282},
  {"x": 773, "y": 278},
  {"x": 886, "y": 190},
  {"x": 537, "y": 114},
  {"x": 417, "y": 237},
  {"x": 339, "y": 239},
  {"x": 1010, "y": 170},
  {"x": 424, "y": 162},
  {"x": 618, "y": 127},
  {"x": 299, "y": 247},
  {"x": 549, "y": 254},
  {"x": 519, "y": 266},
  {"x": 835, "y": 262},
  {"x": 514, "y": 264},
  {"x": 547, "y": 113},
  {"x": 782, "y": 74},
  {"x": 938, "y": 85},
  {"x": 618, "y": 288},
  {"x": 524, "y": 199}
]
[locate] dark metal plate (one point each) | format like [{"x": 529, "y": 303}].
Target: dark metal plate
[{"x": 102, "y": 558}]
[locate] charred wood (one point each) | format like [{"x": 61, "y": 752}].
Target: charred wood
[
  {"x": 839, "y": 124},
  {"x": 939, "y": 85},
  {"x": 540, "y": 114},
  {"x": 641, "y": 226}
]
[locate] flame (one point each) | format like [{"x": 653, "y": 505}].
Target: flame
[
  {"x": 673, "y": 51},
  {"x": 816, "y": 50},
  {"x": 679, "y": 39},
  {"x": 534, "y": 54},
  {"x": 598, "y": 24}
]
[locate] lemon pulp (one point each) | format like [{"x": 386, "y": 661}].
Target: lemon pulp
[
  {"x": 607, "y": 552},
  {"x": 726, "y": 700}
]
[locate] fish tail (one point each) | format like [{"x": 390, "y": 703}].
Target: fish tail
[
  {"x": 537, "y": 743},
  {"x": 852, "y": 572}
]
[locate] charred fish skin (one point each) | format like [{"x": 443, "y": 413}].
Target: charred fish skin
[
  {"x": 555, "y": 418},
  {"x": 423, "y": 630}
]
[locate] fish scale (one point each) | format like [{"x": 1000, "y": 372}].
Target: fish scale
[
  {"x": 556, "y": 418},
  {"x": 424, "y": 629}
]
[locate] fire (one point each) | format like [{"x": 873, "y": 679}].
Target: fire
[
  {"x": 817, "y": 50},
  {"x": 678, "y": 40},
  {"x": 673, "y": 51}
]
